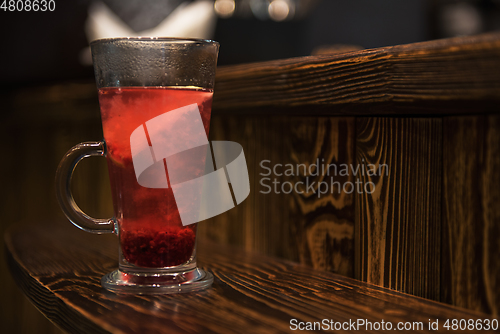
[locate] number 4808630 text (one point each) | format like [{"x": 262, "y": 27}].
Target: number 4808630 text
[{"x": 28, "y": 5}]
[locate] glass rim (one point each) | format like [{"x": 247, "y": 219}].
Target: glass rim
[{"x": 172, "y": 40}]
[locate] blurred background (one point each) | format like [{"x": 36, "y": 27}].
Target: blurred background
[
  {"x": 49, "y": 100},
  {"x": 49, "y": 46}
]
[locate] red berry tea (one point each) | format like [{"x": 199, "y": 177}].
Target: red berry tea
[{"x": 151, "y": 231}]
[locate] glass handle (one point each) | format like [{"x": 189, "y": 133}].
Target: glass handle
[{"x": 63, "y": 189}]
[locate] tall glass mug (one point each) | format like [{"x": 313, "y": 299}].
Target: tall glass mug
[{"x": 155, "y": 96}]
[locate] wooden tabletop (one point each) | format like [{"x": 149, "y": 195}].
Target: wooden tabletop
[
  {"x": 419, "y": 78},
  {"x": 59, "y": 268}
]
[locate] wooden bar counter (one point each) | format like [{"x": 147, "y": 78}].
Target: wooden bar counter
[
  {"x": 59, "y": 268},
  {"x": 427, "y": 113}
]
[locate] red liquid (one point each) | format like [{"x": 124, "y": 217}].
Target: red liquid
[{"x": 151, "y": 232}]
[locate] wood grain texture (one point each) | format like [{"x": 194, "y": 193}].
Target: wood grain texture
[
  {"x": 40, "y": 124},
  {"x": 454, "y": 69},
  {"x": 59, "y": 268},
  {"x": 289, "y": 219},
  {"x": 398, "y": 225},
  {"x": 257, "y": 224},
  {"x": 322, "y": 212},
  {"x": 471, "y": 212}
]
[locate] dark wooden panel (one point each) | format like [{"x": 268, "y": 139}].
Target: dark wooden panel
[
  {"x": 259, "y": 223},
  {"x": 457, "y": 69},
  {"x": 276, "y": 220},
  {"x": 59, "y": 268},
  {"x": 234, "y": 226},
  {"x": 322, "y": 211},
  {"x": 471, "y": 212},
  {"x": 39, "y": 125},
  {"x": 398, "y": 225}
]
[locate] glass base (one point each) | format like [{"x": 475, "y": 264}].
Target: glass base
[{"x": 156, "y": 283}]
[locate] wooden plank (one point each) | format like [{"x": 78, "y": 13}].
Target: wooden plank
[
  {"x": 322, "y": 212},
  {"x": 38, "y": 137},
  {"x": 471, "y": 213},
  {"x": 59, "y": 268},
  {"x": 285, "y": 218},
  {"x": 255, "y": 223},
  {"x": 456, "y": 69},
  {"x": 398, "y": 224}
]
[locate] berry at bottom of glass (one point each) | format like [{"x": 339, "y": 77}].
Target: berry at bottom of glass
[{"x": 151, "y": 231}]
